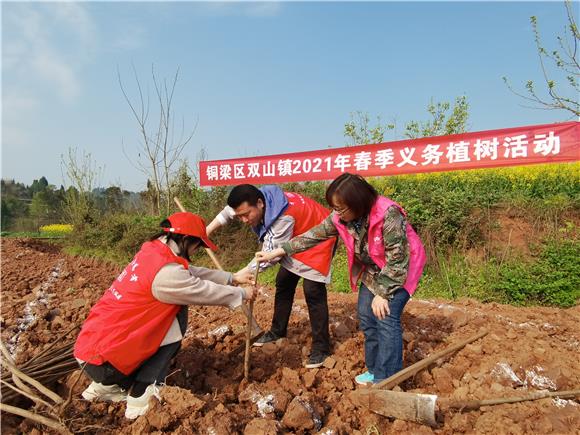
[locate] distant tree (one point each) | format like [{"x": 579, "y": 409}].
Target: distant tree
[
  {"x": 441, "y": 123},
  {"x": 82, "y": 173},
  {"x": 15, "y": 201},
  {"x": 5, "y": 214},
  {"x": 149, "y": 197},
  {"x": 113, "y": 199},
  {"x": 162, "y": 144},
  {"x": 182, "y": 183},
  {"x": 12, "y": 189},
  {"x": 358, "y": 130},
  {"x": 45, "y": 206},
  {"x": 38, "y": 185},
  {"x": 11, "y": 209},
  {"x": 562, "y": 92}
]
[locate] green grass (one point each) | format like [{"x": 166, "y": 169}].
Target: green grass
[
  {"x": 30, "y": 235},
  {"x": 111, "y": 255},
  {"x": 339, "y": 282}
]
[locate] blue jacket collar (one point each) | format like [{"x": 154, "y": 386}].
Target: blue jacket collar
[{"x": 275, "y": 205}]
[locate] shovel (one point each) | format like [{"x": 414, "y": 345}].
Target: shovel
[{"x": 420, "y": 408}]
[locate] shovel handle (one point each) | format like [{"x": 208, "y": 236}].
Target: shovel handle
[
  {"x": 209, "y": 252},
  {"x": 249, "y": 329},
  {"x": 470, "y": 405}
]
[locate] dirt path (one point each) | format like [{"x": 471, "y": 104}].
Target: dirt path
[{"x": 528, "y": 349}]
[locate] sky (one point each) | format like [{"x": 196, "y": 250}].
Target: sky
[{"x": 254, "y": 78}]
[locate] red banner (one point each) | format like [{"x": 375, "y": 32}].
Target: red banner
[{"x": 485, "y": 149}]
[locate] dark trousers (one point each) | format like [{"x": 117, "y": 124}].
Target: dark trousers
[
  {"x": 152, "y": 370},
  {"x": 383, "y": 338},
  {"x": 315, "y": 294}
]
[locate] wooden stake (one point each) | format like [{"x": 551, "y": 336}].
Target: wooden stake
[
  {"x": 411, "y": 371},
  {"x": 249, "y": 328},
  {"x": 470, "y": 405}
]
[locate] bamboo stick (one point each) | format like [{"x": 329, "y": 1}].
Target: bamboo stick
[
  {"x": 55, "y": 397},
  {"x": 476, "y": 404},
  {"x": 53, "y": 424},
  {"x": 28, "y": 394},
  {"x": 58, "y": 340},
  {"x": 412, "y": 370}
]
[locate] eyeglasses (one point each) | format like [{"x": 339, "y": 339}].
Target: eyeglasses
[{"x": 341, "y": 211}]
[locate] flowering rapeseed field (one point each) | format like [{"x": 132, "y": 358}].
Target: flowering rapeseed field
[{"x": 55, "y": 230}]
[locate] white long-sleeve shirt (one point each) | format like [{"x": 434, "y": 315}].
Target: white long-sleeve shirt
[
  {"x": 278, "y": 233},
  {"x": 193, "y": 286}
]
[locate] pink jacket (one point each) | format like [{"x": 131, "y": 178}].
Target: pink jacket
[{"x": 376, "y": 244}]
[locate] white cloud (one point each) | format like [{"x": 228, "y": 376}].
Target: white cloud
[
  {"x": 77, "y": 18},
  {"x": 131, "y": 38},
  {"x": 58, "y": 73},
  {"x": 46, "y": 45},
  {"x": 248, "y": 8},
  {"x": 264, "y": 9},
  {"x": 15, "y": 103}
]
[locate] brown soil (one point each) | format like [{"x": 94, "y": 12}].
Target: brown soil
[{"x": 45, "y": 291}]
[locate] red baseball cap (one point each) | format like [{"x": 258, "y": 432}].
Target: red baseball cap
[{"x": 189, "y": 224}]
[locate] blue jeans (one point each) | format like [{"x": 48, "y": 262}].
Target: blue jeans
[{"x": 383, "y": 338}]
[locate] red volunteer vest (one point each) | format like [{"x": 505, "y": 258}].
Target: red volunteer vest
[
  {"x": 127, "y": 324},
  {"x": 307, "y": 213}
]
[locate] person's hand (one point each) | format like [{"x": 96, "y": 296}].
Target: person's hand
[
  {"x": 265, "y": 256},
  {"x": 243, "y": 276},
  {"x": 250, "y": 293},
  {"x": 380, "y": 307}
]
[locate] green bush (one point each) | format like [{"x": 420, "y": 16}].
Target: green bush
[
  {"x": 552, "y": 279},
  {"x": 453, "y": 212},
  {"x": 116, "y": 236}
]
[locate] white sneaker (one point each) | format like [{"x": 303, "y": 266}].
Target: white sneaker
[
  {"x": 109, "y": 393},
  {"x": 137, "y": 406}
]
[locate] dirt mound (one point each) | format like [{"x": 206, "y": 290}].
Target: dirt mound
[{"x": 44, "y": 292}]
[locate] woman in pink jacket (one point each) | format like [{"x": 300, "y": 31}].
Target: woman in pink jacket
[{"x": 385, "y": 256}]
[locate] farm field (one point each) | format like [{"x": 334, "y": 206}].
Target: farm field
[{"x": 45, "y": 292}]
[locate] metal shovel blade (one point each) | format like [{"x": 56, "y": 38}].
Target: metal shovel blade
[{"x": 418, "y": 408}]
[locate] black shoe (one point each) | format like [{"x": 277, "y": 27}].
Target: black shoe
[
  {"x": 268, "y": 337},
  {"x": 315, "y": 360}
]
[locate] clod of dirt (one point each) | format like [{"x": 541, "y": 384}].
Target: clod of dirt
[
  {"x": 300, "y": 415},
  {"x": 291, "y": 381},
  {"x": 309, "y": 378},
  {"x": 443, "y": 380},
  {"x": 260, "y": 426}
]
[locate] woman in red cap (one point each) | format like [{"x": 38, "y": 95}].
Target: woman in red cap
[{"x": 136, "y": 327}]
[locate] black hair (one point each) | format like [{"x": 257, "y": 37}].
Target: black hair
[
  {"x": 354, "y": 192},
  {"x": 182, "y": 241},
  {"x": 245, "y": 193}
]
